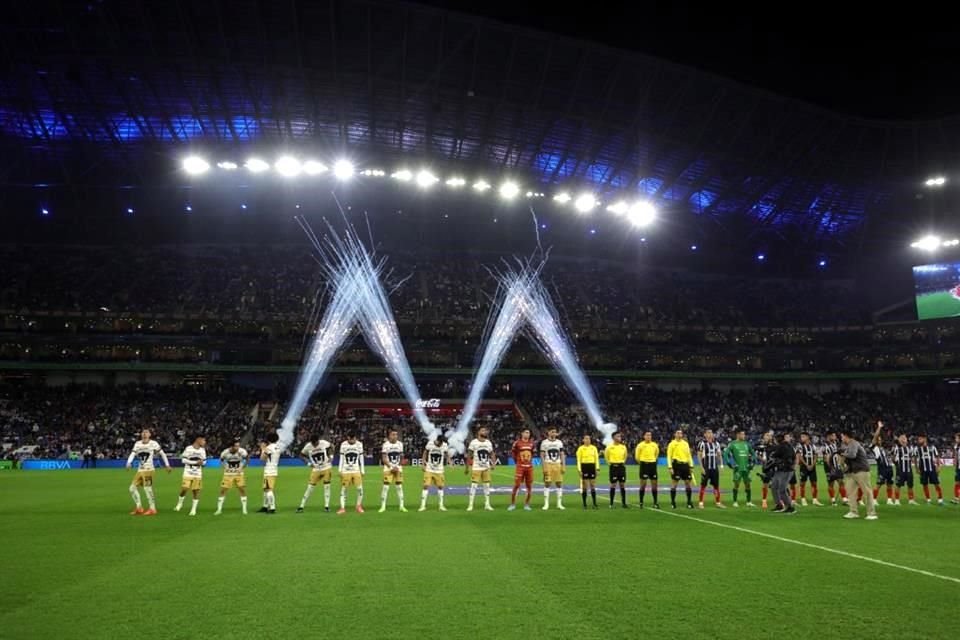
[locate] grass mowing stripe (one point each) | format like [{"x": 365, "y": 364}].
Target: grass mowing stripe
[{"x": 857, "y": 556}]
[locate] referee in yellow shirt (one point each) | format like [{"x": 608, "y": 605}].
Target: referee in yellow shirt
[
  {"x": 680, "y": 465},
  {"x": 616, "y": 455},
  {"x": 647, "y": 456},
  {"x": 588, "y": 459}
]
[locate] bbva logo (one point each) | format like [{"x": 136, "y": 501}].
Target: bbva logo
[{"x": 51, "y": 465}]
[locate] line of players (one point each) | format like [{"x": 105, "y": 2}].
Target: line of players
[{"x": 900, "y": 461}]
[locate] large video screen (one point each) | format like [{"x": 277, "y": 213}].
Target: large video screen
[{"x": 937, "y": 290}]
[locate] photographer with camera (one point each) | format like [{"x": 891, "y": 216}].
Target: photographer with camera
[
  {"x": 781, "y": 463},
  {"x": 856, "y": 475}
]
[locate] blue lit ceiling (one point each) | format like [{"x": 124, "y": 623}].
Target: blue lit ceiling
[{"x": 124, "y": 79}]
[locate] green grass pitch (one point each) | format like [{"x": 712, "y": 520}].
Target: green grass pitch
[
  {"x": 75, "y": 565},
  {"x": 937, "y": 305}
]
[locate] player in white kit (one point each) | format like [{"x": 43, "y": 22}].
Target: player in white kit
[
  {"x": 351, "y": 471},
  {"x": 318, "y": 455},
  {"x": 193, "y": 458},
  {"x": 270, "y": 454},
  {"x": 435, "y": 456},
  {"x": 480, "y": 463},
  {"x": 392, "y": 458},
  {"x": 143, "y": 452}
]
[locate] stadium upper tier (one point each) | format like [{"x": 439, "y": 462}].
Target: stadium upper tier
[
  {"x": 253, "y": 305},
  {"x": 282, "y": 283}
]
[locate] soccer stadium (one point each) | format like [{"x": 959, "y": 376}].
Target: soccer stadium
[{"x": 404, "y": 320}]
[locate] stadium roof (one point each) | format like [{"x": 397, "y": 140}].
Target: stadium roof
[{"x": 110, "y": 92}]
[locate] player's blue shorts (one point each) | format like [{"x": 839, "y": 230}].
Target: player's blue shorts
[
  {"x": 884, "y": 474},
  {"x": 905, "y": 478},
  {"x": 929, "y": 477},
  {"x": 711, "y": 477}
]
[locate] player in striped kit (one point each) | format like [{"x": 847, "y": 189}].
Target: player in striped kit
[
  {"x": 956, "y": 468},
  {"x": 766, "y": 443},
  {"x": 711, "y": 462},
  {"x": 884, "y": 468},
  {"x": 833, "y": 465},
  {"x": 903, "y": 455},
  {"x": 807, "y": 462},
  {"x": 928, "y": 464}
]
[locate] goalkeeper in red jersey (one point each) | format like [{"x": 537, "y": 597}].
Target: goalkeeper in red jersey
[{"x": 523, "y": 459}]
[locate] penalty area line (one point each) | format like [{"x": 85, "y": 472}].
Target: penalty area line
[{"x": 810, "y": 545}]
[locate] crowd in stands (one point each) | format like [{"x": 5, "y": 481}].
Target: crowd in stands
[
  {"x": 448, "y": 293},
  {"x": 62, "y": 421}
]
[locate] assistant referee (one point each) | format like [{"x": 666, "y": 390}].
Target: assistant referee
[
  {"x": 679, "y": 462},
  {"x": 616, "y": 455},
  {"x": 646, "y": 455},
  {"x": 588, "y": 458}
]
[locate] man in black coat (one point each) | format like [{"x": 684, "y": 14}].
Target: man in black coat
[{"x": 782, "y": 459}]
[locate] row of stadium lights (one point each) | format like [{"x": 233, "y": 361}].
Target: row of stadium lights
[
  {"x": 932, "y": 242},
  {"x": 639, "y": 214}
]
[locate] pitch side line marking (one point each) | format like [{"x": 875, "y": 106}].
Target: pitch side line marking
[{"x": 857, "y": 556}]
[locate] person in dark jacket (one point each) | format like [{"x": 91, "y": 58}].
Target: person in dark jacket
[
  {"x": 856, "y": 475},
  {"x": 783, "y": 458}
]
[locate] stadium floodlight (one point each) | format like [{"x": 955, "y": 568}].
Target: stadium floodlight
[
  {"x": 936, "y": 181},
  {"x": 585, "y": 203},
  {"x": 343, "y": 169},
  {"x": 314, "y": 167},
  {"x": 403, "y": 175},
  {"x": 195, "y": 165},
  {"x": 927, "y": 243},
  {"x": 641, "y": 214},
  {"x": 509, "y": 190},
  {"x": 481, "y": 185},
  {"x": 288, "y": 166},
  {"x": 618, "y": 208},
  {"x": 426, "y": 179},
  {"x": 456, "y": 182},
  {"x": 950, "y": 243},
  {"x": 256, "y": 165},
  {"x": 563, "y": 197},
  {"x": 227, "y": 165}
]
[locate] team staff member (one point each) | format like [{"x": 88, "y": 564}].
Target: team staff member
[
  {"x": 679, "y": 463},
  {"x": 588, "y": 459},
  {"x": 616, "y": 455},
  {"x": 857, "y": 476},
  {"x": 646, "y": 455},
  {"x": 782, "y": 459}
]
